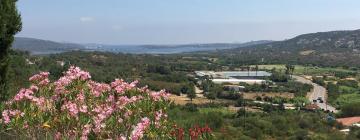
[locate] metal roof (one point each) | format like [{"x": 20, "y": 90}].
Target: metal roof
[{"x": 245, "y": 73}]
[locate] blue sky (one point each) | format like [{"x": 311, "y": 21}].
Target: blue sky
[{"x": 183, "y": 21}]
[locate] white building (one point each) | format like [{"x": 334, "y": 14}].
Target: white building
[
  {"x": 237, "y": 81},
  {"x": 235, "y": 77}
]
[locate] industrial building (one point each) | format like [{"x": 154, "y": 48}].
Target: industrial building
[{"x": 235, "y": 77}]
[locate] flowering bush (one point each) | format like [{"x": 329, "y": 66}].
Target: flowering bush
[
  {"x": 76, "y": 107},
  {"x": 194, "y": 133}
]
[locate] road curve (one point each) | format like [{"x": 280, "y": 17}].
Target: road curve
[{"x": 318, "y": 91}]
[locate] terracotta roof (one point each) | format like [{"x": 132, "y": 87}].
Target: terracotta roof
[
  {"x": 348, "y": 121},
  {"x": 311, "y": 107}
]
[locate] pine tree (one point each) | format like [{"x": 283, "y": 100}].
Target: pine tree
[{"x": 10, "y": 24}]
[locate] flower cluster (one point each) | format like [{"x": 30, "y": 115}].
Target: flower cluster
[
  {"x": 40, "y": 79},
  {"x": 8, "y": 114},
  {"x": 27, "y": 94},
  {"x": 194, "y": 133},
  {"x": 98, "y": 88},
  {"x": 140, "y": 128},
  {"x": 199, "y": 131},
  {"x": 75, "y": 107}
]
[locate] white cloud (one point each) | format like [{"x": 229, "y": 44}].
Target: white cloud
[{"x": 86, "y": 19}]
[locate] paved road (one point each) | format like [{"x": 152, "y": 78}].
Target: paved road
[{"x": 317, "y": 92}]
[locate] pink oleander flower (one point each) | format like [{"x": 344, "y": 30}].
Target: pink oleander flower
[
  {"x": 80, "y": 97},
  {"x": 120, "y": 86},
  {"x": 61, "y": 84},
  {"x": 86, "y": 131},
  {"x": 140, "y": 129},
  {"x": 7, "y": 114},
  {"x": 83, "y": 109},
  {"x": 34, "y": 88},
  {"x": 44, "y": 82},
  {"x": 57, "y": 136},
  {"x": 135, "y": 98},
  {"x": 158, "y": 115},
  {"x": 159, "y": 95},
  {"x": 120, "y": 120},
  {"x": 76, "y": 72},
  {"x": 72, "y": 74},
  {"x": 127, "y": 114},
  {"x": 122, "y": 101},
  {"x": 6, "y": 117},
  {"x": 40, "y": 102},
  {"x": 121, "y": 137},
  {"x": 23, "y": 94},
  {"x": 102, "y": 112},
  {"x": 72, "y": 108},
  {"x": 98, "y": 88},
  {"x": 39, "y": 77},
  {"x": 132, "y": 84},
  {"x": 111, "y": 98},
  {"x": 26, "y": 125},
  {"x": 144, "y": 89},
  {"x": 86, "y": 107}
]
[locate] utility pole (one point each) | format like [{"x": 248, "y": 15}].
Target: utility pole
[
  {"x": 256, "y": 69},
  {"x": 244, "y": 105}
]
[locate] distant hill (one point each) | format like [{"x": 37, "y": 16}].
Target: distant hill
[
  {"x": 209, "y": 45},
  {"x": 335, "y": 48},
  {"x": 38, "y": 46}
]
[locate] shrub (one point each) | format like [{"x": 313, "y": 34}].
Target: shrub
[
  {"x": 351, "y": 109},
  {"x": 349, "y": 83},
  {"x": 190, "y": 107},
  {"x": 214, "y": 119},
  {"x": 76, "y": 107}
]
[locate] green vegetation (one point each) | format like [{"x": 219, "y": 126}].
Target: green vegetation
[
  {"x": 314, "y": 70},
  {"x": 173, "y": 73},
  {"x": 158, "y": 72},
  {"x": 10, "y": 24},
  {"x": 343, "y": 92},
  {"x": 351, "y": 109},
  {"x": 298, "y": 88},
  {"x": 275, "y": 125}
]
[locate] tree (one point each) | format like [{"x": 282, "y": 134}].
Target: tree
[
  {"x": 189, "y": 90},
  {"x": 351, "y": 109},
  {"x": 289, "y": 69},
  {"x": 211, "y": 95},
  {"x": 191, "y": 94},
  {"x": 256, "y": 69},
  {"x": 10, "y": 24},
  {"x": 185, "y": 89}
]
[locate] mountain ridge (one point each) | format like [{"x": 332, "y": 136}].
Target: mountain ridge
[{"x": 321, "y": 48}]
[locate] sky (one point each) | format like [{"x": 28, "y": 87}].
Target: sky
[{"x": 183, "y": 21}]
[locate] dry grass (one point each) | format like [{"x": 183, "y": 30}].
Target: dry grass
[{"x": 200, "y": 99}]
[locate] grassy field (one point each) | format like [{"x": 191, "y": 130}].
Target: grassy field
[{"x": 223, "y": 110}]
